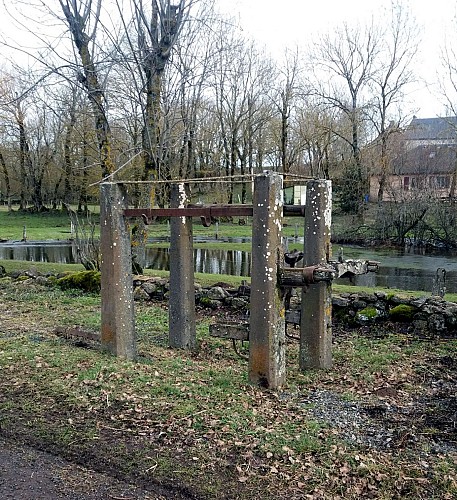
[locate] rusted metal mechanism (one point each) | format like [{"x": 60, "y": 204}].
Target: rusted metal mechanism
[
  {"x": 350, "y": 268},
  {"x": 233, "y": 330},
  {"x": 299, "y": 277},
  {"x": 269, "y": 281},
  {"x": 303, "y": 276}
]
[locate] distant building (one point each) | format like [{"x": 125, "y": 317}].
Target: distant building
[
  {"x": 295, "y": 195},
  {"x": 425, "y": 158}
]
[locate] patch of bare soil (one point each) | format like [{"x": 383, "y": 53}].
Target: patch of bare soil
[{"x": 30, "y": 474}]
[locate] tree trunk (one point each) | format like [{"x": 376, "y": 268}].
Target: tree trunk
[
  {"x": 67, "y": 195},
  {"x": 7, "y": 193},
  {"x": 284, "y": 136},
  {"x": 89, "y": 78},
  {"x": 24, "y": 160}
]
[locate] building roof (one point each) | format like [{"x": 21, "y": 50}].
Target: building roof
[
  {"x": 426, "y": 160},
  {"x": 429, "y": 129}
]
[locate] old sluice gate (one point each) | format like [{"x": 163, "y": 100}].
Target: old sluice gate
[{"x": 273, "y": 276}]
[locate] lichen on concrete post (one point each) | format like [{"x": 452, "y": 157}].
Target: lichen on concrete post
[
  {"x": 117, "y": 314},
  {"x": 181, "y": 307},
  {"x": 316, "y": 303},
  {"x": 267, "y": 315}
]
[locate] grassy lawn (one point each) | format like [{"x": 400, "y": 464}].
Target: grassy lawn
[
  {"x": 379, "y": 424},
  {"x": 44, "y": 226},
  {"x": 55, "y": 225}
]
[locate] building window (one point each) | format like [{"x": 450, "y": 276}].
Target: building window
[
  {"x": 406, "y": 183},
  {"x": 442, "y": 182},
  {"x": 417, "y": 183}
]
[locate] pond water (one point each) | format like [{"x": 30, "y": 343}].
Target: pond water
[
  {"x": 403, "y": 270},
  {"x": 406, "y": 270}
]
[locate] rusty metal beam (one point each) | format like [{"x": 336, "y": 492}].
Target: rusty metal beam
[{"x": 206, "y": 211}]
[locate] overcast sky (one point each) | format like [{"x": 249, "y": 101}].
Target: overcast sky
[
  {"x": 279, "y": 24},
  {"x": 288, "y": 23}
]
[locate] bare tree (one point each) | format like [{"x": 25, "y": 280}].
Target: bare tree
[
  {"x": 157, "y": 27},
  {"x": 6, "y": 194},
  {"x": 315, "y": 127},
  {"x": 389, "y": 81},
  {"x": 240, "y": 87},
  {"x": 286, "y": 93},
  {"x": 448, "y": 86},
  {"x": 150, "y": 37},
  {"x": 346, "y": 61}
]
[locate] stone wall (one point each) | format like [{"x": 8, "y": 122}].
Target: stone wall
[
  {"x": 423, "y": 315},
  {"x": 426, "y": 314}
]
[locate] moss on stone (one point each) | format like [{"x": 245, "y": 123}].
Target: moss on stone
[
  {"x": 88, "y": 281},
  {"x": 367, "y": 314},
  {"x": 402, "y": 312},
  {"x": 207, "y": 302}
]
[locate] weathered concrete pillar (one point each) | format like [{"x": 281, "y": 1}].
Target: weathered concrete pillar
[
  {"x": 316, "y": 304},
  {"x": 181, "y": 307},
  {"x": 267, "y": 366},
  {"x": 117, "y": 316}
]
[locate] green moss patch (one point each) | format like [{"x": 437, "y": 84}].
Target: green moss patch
[
  {"x": 368, "y": 315},
  {"x": 402, "y": 312},
  {"x": 88, "y": 281}
]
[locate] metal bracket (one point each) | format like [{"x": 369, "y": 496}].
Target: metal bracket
[
  {"x": 304, "y": 276},
  {"x": 235, "y": 331}
]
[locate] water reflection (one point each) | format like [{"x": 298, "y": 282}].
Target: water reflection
[
  {"x": 60, "y": 252},
  {"x": 407, "y": 271},
  {"x": 211, "y": 261}
]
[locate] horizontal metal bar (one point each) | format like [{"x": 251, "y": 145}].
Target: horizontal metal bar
[
  {"x": 235, "y": 331},
  {"x": 208, "y": 211},
  {"x": 294, "y": 210},
  {"x": 191, "y": 211}
]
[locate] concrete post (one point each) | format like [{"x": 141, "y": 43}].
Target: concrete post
[
  {"x": 181, "y": 307},
  {"x": 117, "y": 315},
  {"x": 316, "y": 303},
  {"x": 267, "y": 365}
]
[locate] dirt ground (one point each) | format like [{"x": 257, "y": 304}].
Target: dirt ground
[{"x": 29, "y": 474}]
